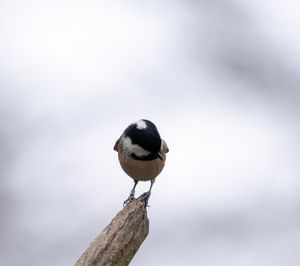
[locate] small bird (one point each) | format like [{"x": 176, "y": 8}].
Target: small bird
[{"x": 142, "y": 154}]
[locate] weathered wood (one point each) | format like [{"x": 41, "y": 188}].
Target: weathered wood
[{"x": 120, "y": 240}]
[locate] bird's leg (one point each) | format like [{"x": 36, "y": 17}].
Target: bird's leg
[
  {"x": 132, "y": 192},
  {"x": 147, "y": 194}
]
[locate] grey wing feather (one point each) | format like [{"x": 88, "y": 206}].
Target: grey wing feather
[
  {"x": 116, "y": 147},
  {"x": 165, "y": 147}
]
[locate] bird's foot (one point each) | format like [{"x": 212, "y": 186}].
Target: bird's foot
[
  {"x": 130, "y": 198},
  {"x": 145, "y": 196}
]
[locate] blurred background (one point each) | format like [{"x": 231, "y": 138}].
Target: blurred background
[{"x": 220, "y": 79}]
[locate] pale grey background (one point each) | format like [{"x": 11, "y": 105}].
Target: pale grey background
[{"x": 221, "y": 81}]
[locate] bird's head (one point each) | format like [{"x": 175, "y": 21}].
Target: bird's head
[{"x": 142, "y": 141}]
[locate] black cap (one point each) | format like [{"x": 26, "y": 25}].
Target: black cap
[{"x": 146, "y": 136}]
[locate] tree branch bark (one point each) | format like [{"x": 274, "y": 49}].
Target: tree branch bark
[{"x": 120, "y": 240}]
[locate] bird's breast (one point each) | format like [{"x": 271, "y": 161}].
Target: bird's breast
[{"x": 141, "y": 170}]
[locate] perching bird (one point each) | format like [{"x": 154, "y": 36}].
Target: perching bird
[{"x": 142, "y": 154}]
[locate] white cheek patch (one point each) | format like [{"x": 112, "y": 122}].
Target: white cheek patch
[
  {"x": 134, "y": 148},
  {"x": 141, "y": 124}
]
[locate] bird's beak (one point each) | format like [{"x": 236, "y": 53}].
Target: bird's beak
[{"x": 159, "y": 156}]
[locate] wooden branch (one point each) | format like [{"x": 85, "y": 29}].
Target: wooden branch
[{"x": 120, "y": 240}]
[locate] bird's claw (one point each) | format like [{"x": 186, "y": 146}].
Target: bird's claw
[
  {"x": 145, "y": 196},
  {"x": 130, "y": 198}
]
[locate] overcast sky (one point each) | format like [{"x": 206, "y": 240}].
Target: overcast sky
[{"x": 220, "y": 79}]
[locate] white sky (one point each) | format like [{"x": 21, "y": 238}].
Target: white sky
[{"x": 73, "y": 75}]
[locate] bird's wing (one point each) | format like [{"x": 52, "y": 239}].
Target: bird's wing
[
  {"x": 117, "y": 144},
  {"x": 165, "y": 147}
]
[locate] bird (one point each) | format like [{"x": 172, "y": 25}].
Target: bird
[{"x": 142, "y": 154}]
